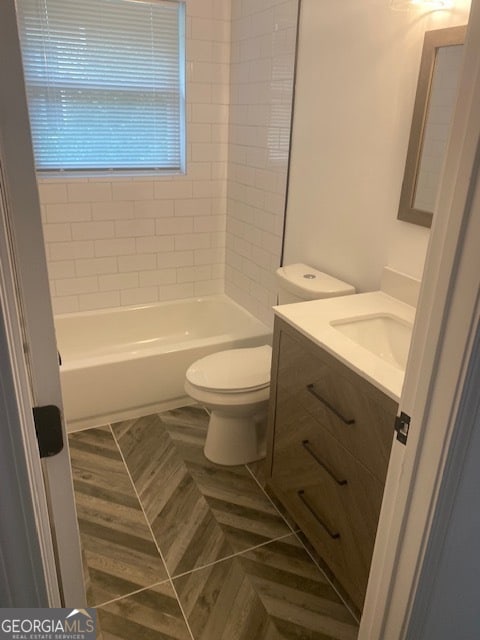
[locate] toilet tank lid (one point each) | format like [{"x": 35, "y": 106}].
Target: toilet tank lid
[
  {"x": 232, "y": 370},
  {"x": 309, "y": 283}
]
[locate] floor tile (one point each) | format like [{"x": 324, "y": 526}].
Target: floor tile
[
  {"x": 259, "y": 470},
  {"x": 119, "y": 553},
  {"x": 152, "y": 614},
  {"x": 199, "y": 512},
  {"x": 209, "y": 521},
  {"x": 273, "y": 592}
]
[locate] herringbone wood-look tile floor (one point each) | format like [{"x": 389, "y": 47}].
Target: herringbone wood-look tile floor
[{"x": 177, "y": 547}]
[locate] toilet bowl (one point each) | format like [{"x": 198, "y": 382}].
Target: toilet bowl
[{"x": 234, "y": 386}]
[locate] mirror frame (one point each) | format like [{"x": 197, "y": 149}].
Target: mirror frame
[{"x": 433, "y": 41}]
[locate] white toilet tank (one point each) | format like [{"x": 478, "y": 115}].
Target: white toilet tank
[{"x": 299, "y": 282}]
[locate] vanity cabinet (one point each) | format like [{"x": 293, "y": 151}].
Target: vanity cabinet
[{"x": 329, "y": 438}]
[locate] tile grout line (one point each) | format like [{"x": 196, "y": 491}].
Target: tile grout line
[
  {"x": 295, "y": 533},
  {"x": 131, "y": 593},
  {"x": 205, "y": 566},
  {"x": 270, "y": 500},
  {"x": 153, "y": 537},
  {"x": 345, "y": 604},
  {"x": 232, "y": 555},
  {"x": 209, "y": 564}
]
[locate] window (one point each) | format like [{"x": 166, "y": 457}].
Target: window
[{"x": 105, "y": 83}]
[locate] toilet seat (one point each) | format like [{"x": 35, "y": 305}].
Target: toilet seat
[
  {"x": 232, "y": 371},
  {"x": 226, "y": 399}
]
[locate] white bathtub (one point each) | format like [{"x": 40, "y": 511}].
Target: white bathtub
[{"x": 125, "y": 362}]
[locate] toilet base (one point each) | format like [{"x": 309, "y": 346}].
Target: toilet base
[{"x": 233, "y": 440}]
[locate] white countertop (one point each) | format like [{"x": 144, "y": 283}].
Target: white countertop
[{"x": 313, "y": 320}]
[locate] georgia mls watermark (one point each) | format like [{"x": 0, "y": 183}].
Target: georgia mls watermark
[{"x": 48, "y": 624}]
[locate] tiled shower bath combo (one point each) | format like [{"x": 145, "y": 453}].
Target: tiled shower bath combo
[{"x": 177, "y": 547}]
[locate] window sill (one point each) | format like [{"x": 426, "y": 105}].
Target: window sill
[{"x": 110, "y": 176}]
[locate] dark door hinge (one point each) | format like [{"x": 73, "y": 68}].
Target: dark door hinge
[
  {"x": 48, "y": 425},
  {"x": 402, "y": 426}
]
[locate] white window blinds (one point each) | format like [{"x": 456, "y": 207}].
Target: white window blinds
[{"x": 105, "y": 83}]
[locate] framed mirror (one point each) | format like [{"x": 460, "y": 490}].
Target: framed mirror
[{"x": 432, "y": 115}]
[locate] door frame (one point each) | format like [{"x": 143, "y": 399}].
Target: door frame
[
  {"x": 27, "y": 561},
  {"x": 424, "y": 475},
  {"x": 26, "y": 268}
]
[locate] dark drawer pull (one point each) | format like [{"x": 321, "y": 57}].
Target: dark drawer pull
[
  {"x": 301, "y": 495},
  {"x": 306, "y": 444},
  {"x": 314, "y": 392}
]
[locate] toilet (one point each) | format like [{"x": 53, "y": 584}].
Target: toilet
[{"x": 234, "y": 385}]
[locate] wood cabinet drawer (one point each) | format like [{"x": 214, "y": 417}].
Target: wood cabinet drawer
[
  {"x": 333, "y": 498},
  {"x": 329, "y": 438},
  {"x": 357, "y": 414}
]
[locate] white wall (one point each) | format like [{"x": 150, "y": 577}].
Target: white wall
[
  {"x": 263, "y": 55},
  {"x": 357, "y": 74},
  {"x": 124, "y": 241}
]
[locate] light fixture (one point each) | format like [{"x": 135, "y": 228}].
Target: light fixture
[{"x": 427, "y": 5}]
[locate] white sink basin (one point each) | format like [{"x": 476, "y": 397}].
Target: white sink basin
[
  {"x": 368, "y": 332},
  {"x": 383, "y": 334}
]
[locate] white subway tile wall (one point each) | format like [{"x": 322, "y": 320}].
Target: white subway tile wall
[
  {"x": 261, "y": 87},
  {"x": 134, "y": 240},
  {"x": 125, "y": 241}
]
